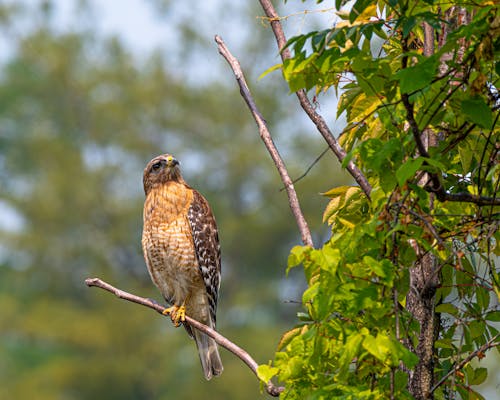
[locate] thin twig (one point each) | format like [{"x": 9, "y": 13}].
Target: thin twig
[
  {"x": 488, "y": 345},
  {"x": 304, "y": 174},
  {"x": 304, "y": 101},
  {"x": 429, "y": 225},
  {"x": 221, "y": 340},
  {"x": 268, "y": 141}
]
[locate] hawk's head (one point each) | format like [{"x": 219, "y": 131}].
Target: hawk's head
[{"x": 160, "y": 170}]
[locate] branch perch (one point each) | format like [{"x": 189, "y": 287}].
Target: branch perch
[
  {"x": 304, "y": 101},
  {"x": 221, "y": 340},
  {"x": 268, "y": 141}
]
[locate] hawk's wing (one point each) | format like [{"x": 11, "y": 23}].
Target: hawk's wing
[{"x": 207, "y": 248}]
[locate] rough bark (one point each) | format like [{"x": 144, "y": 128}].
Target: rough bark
[
  {"x": 421, "y": 303},
  {"x": 424, "y": 277}
]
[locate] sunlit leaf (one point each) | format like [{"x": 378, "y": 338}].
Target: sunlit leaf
[
  {"x": 269, "y": 70},
  {"x": 287, "y": 337},
  {"x": 350, "y": 351},
  {"x": 266, "y": 372}
]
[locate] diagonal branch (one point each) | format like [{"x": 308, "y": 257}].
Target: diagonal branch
[
  {"x": 306, "y": 103},
  {"x": 458, "y": 366},
  {"x": 268, "y": 141},
  {"x": 221, "y": 340}
]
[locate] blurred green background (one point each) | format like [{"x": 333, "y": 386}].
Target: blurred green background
[{"x": 88, "y": 95}]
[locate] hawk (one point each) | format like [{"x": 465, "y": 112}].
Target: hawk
[{"x": 181, "y": 249}]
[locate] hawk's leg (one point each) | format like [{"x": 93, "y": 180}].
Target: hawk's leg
[{"x": 177, "y": 313}]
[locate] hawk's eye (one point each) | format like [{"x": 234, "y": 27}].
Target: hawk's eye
[{"x": 156, "y": 166}]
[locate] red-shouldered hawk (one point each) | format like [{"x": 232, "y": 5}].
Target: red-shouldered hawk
[{"x": 181, "y": 248}]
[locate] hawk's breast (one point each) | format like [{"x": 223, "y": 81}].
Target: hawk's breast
[{"x": 167, "y": 241}]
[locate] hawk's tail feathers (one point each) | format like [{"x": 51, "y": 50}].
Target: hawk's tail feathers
[{"x": 209, "y": 354}]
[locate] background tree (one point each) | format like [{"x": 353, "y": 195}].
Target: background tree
[{"x": 404, "y": 295}]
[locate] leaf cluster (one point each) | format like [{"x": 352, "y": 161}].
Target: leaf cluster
[{"x": 422, "y": 123}]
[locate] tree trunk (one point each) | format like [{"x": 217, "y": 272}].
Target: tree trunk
[{"x": 421, "y": 303}]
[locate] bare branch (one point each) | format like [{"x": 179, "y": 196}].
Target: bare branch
[
  {"x": 468, "y": 198},
  {"x": 410, "y": 117},
  {"x": 221, "y": 340},
  {"x": 317, "y": 119},
  {"x": 268, "y": 141},
  {"x": 428, "y": 39}
]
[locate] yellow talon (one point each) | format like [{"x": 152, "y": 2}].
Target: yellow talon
[
  {"x": 167, "y": 311},
  {"x": 177, "y": 314}
]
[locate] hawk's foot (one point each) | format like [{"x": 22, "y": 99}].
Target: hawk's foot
[{"x": 177, "y": 314}]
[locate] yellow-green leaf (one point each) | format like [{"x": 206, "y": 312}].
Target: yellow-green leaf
[
  {"x": 266, "y": 372},
  {"x": 288, "y": 336},
  {"x": 269, "y": 70}
]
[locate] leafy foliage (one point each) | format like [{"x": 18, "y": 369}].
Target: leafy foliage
[{"x": 424, "y": 129}]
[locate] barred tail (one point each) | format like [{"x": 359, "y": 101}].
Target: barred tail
[{"x": 209, "y": 354}]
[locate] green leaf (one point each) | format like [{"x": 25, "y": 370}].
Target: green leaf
[
  {"x": 477, "y": 111},
  {"x": 293, "y": 368},
  {"x": 350, "y": 351},
  {"x": 296, "y": 256},
  {"x": 418, "y": 76},
  {"x": 378, "y": 346},
  {"x": 310, "y": 293},
  {"x": 288, "y": 336},
  {"x": 493, "y": 316},
  {"x": 269, "y": 70},
  {"x": 359, "y": 8},
  {"x": 408, "y": 24},
  {"x": 383, "y": 268},
  {"x": 467, "y": 393},
  {"x": 447, "y": 308},
  {"x": 400, "y": 352},
  {"x": 444, "y": 344},
  {"x": 479, "y": 376},
  {"x": 466, "y": 155},
  {"x": 483, "y": 297},
  {"x": 266, "y": 372},
  {"x": 477, "y": 328},
  {"x": 340, "y": 196},
  {"x": 434, "y": 163},
  {"x": 303, "y": 316},
  {"x": 389, "y": 351},
  {"x": 408, "y": 170},
  {"x": 331, "y": 257}
]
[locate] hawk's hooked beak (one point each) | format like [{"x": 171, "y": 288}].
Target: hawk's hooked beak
[{"x": 172, "y": 161}]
